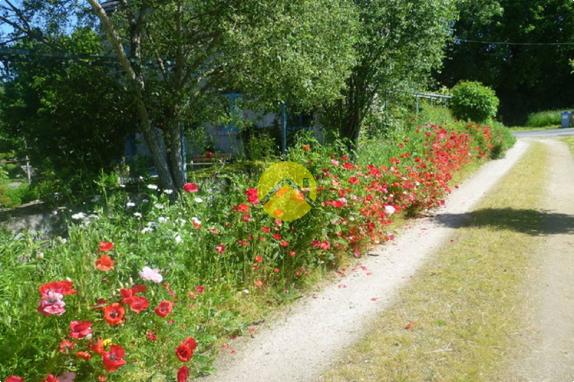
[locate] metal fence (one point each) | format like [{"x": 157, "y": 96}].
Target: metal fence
[
  {"x": 433, "y": 97},
  {"x": 24, "y": 164}
]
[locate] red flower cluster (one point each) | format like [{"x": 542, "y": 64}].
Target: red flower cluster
[{"x": 185, "y": 349}]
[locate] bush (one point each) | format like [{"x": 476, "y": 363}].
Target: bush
[
  {"x": 474, "y": 101},
  {"x": 545, "y": 118}
]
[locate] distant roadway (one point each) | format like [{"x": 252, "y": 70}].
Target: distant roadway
[{"x": 545, "y": 133}]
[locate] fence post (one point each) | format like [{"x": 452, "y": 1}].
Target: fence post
[{"x": 28, "y": 170}]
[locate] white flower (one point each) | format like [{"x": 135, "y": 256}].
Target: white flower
[
  {"x": 147, "y": 230},
  {"x": 130, "y": 204},
  {"x": 137, "y": 215},
  {"x": 152, "y": 187},
  {"x": 151, "y": 274},
  {"x": 162, "y": 219},
  {"x": 389, "y": 210},
  {"x": 178, "y": 239},
  {"x": 79, "y": 216},
  {"x": 168, "y": 192},
  {"x": 198, "y": 200}
]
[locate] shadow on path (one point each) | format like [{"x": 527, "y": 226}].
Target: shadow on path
[{"x": 532, "y": 222}]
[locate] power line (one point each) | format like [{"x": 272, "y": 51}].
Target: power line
[{"x": 459, "y": 40}]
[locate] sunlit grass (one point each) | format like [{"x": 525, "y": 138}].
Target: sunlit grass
[{"x": 453, "y": 321}]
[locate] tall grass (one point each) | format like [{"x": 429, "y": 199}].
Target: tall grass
[{"x": 544, "y": 118}]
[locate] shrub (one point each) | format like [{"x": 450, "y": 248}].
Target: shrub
[
  {"x": 474, "y": 101},
  {"x": 545, "y": 118}
]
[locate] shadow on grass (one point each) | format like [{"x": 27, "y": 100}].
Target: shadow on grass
[{"x": 527, "y": 221}]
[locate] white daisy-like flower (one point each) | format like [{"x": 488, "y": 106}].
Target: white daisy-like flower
[
  {"x": 147, "y": 230},
  {"x": 178, "y": 239},
  {"x": 130, "y": 204},
  {"x": 168, "y": 191},
  {"x": 137, "y": 215},
  {"x": 79, "y": 216},
  {"x": 389, "y": 210},
  {"x": 152, "y": 187},
  {"x": 198, "y": 200},
  {"x": 151, "y": 274},
  {"x": 162, "y": 219}
]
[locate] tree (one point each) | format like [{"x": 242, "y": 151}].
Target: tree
[
  {"x": 71, "y": 113},
  {"x": 401, "y": 42},
  {"x": 178, "y": 57},
  {"x": 517, "y": 48}
]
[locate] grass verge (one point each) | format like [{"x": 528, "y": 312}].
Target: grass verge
[
  {"x": 570, "y": 142},
  {"x": 454, "y": 320}
]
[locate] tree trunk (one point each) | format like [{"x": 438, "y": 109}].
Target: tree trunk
[
  {"x": 158, "y": 156},
  {"x": 137, "y": 83},
  {"x": 176, "y": 159}
]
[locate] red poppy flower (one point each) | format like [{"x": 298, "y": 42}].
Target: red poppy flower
[
  {"x": 139, "y": 288},
  {"x": 252, "y": 195},
  {"x": 50, "y": 378},
  {"x": 63, "y": 287},
  {"x": 105, "y": 246},
  {"x": 190, "y": 187},
  {"x": 98, "y": 347},
  {"x": 277, "y": 236},
  {"x": 151, "y": 335},
  {"x": 185, "y": 349},
  {"x": 114, "y": 314},
  {"x": 114, "y": 359},
  {"x": 182, "y": 374},
  {"x": 284, "y": 243},
  {"x": 102, "y": 378},
  {"x": 353, "y": 180},
  {"x": 104, "y": 263},
  {"x": 164, "y": 308},
  {"x": 80, "y": 329},
  {"x": 138, "y": 304},
  {"x": 242, "y": 208},
  {"x": 14, "y": 378},
  {"x": 258, "y": 259},
  {"x": 84, "y": 355},
  {"x": 66, "y": 345},
  {"x": 265, "y": 229},
  {"x": 220, "y": 248},
  {"x": 200, "y": 289}
]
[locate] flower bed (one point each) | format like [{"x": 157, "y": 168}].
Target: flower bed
[{"x": 148, "y": 290}]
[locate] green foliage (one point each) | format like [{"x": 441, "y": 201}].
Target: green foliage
[
  {"x": 401, "y": 43},
  {"x": 261, "y": 146},
  {"x": 474, "y": 101},
  {"x": 73, "y": 116},
  {"x": 545, "y": 118},
  {"x": 14, "y": 195},
  {"x": 526, "y": 77}
]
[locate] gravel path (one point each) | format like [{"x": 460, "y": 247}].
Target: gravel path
[
  {"x": 301, "y": 343},
  {"x": 546, "y": 349}
]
